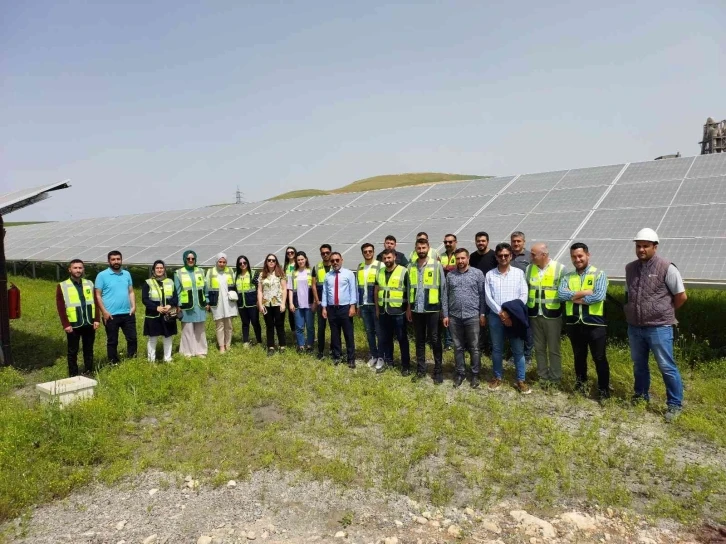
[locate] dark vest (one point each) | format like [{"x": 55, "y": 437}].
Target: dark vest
[{"x": 650, "y": 303}]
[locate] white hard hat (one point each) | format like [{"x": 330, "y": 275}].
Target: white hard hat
[{"x": 646, "y": 235}]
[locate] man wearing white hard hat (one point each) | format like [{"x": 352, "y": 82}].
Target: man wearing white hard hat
[{"x": 654, "y": 291}]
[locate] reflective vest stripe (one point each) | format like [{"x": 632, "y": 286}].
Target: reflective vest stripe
[
  {"x": 76, "y": 317},
  {"x": 588, "y": 314},
  {"x": 543, "y": 290}
]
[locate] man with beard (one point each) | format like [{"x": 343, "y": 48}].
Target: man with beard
[
  {"x": 390, "y": 243},
  {"x": 391, "y": 299},
  {"x": 427, "y": 288},
  {"x": 319, "y": 272},
  {"x": 485, "y": 260},
  {"x": 117, "y": 303}
]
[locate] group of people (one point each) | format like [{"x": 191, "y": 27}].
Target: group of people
[{"x": 478, "y": 301}]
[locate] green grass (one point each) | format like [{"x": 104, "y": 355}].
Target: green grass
[
  {"x": 389, "y": 181},
  {"x": 240, "y": 412},
  {"x": 300, "y": 194},
  {"x": 20, "y": 223}
]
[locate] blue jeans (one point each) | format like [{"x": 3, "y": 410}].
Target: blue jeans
[
  {"x": 465, "y": 334},
  {"x": 304, "y": 322},
  {"x": 659, "y": 340},
  {"x": 497, "y": 331},
  {"x": 394, "y": 325},
  {"x": 373, "y": 330}
]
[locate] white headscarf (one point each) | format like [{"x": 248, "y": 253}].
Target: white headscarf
[{"x": 220, "y": 255}]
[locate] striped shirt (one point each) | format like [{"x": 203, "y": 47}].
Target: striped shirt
[{"x": 501, "y": 287}]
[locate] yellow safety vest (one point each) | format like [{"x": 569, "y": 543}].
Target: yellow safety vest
[
  {"x": 391, "y": 294},
  {"x": 212, "y": 282},
  {"x": 320, "y": 278},
  {"x": 245, "y": 288},
  {"x": 367, "y": 281},
  {"x": 431, "y": 282},
  {"x": 448, "y": 261},
  {"x": 543, "y": 291},
  {"x": 189, "y": 282},
  {"x": 76, "y": 317},
  {"x": 588, "y": 314},
  {"x": 159, "y": 295}
]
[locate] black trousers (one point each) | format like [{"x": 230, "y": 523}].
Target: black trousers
[
  {"x": 127, "y": 324},
  {"x": 339, "y": 320},
  {"x": 322, "y": 322},
  {"x": 582, "y": 337},
  {"x": 88, "y": 335},
  {"x": 426, "y": 328},
  {"x": 275, "y": 321},
  {"x": 250, "y": 315}
]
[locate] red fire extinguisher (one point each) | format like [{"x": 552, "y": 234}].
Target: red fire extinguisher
[{"x": 14, "y": 302}]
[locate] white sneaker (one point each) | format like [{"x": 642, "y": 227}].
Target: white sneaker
[
  {"x": 380, "y": 364},
  {"x": 372, "y": 362}
]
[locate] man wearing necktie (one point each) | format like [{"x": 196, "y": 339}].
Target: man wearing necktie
[{"x": 340, "y": 296}]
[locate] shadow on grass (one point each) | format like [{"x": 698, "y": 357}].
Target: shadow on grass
[{"x": 33, "y": 351}]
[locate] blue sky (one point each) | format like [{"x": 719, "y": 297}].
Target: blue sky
[{"x": 162, "y": 105}]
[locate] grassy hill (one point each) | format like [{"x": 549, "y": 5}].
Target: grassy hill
[{"x": 388, "y": 181}]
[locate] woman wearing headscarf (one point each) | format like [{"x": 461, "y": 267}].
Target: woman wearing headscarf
[
  {"x": 190, "y": 289},
  {"x": 159, "y": 297},
  {"x": 246, "y": 283},
  {"x": 271, "y": 294},
  {"x": 290, "y": 265},
  {"x": 222, "y": 300},
  {"x": 301, "y": 301}
]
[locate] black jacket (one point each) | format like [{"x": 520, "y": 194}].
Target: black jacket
[{"x": 517, "y": 310}]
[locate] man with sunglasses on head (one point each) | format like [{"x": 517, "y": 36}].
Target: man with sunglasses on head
[
  {"x": 340, "y": 297},
  {"x": 367, "y": 274},
  {"x": 319, "y": 272}
]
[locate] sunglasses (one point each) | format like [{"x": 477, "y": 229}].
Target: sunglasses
[
  {"x": 334, "y": 260},
  {"x": 504, "y": 256},
  {"x": 291, "y": 253},
  {"x": 191, "y": 259},
  {"x": 271, "y": 260},
  {"x": 325, "y": 252}
]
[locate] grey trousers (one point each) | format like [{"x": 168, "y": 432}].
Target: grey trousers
[{"x": 547, "y": 339}]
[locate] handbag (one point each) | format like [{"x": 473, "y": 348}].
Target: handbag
[
  {"x": 171, "y": 315},
  {"x": 232, "y": 296}
]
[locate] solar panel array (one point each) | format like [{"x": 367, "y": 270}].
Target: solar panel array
[{"x": 683, "y": 199}]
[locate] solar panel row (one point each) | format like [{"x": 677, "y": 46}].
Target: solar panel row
[{"x": 684, "y": 199}]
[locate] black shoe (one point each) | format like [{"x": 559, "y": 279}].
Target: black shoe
[
  {"x": 419, "y": 376},
  {"x": 581, "y": 388},
  {"x": 270, "y": 352},
  {"x": 351, "y": 364},
  {"x": 475, "y": 382},
  {"x": 458, "y": 380},
  {"x": 438, "y": 378},
  {"x": 320, "y": 357},
  {"x": 336, "y": 362},
  {"x": 604, "y": 395},
  {"x": 406, "y": 372}
]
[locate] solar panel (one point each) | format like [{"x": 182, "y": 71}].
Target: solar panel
[{"x": 684, "y": 199}]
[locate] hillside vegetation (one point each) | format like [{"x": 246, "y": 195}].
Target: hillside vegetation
[{"x": 388, "y": 181}]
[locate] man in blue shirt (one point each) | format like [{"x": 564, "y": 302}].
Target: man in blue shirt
[
  {"x": 115, "y": 298},
  {"x": 340, "y": 297}
]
